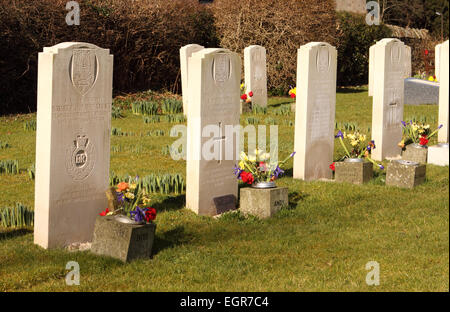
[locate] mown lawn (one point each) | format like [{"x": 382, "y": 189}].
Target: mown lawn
[{"x": 322, "y": 242}]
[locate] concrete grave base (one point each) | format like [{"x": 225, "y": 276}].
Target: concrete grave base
[
  {"x": 405, "y": 174},
  {"x": 263, "y": 203},
  {"x": 438, "y": 154},
  {"x": 354, "y": 172},
  {"x": 122, "y": 241}
]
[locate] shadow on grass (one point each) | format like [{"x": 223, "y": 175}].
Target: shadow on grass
[
  {"x": 8, "y": 234},
  {"x": 350, "y": 90},
  {"x": 171, "y": 203},
  {"x": 170, "y": 239},
  {"x": 295, "y": 198}
]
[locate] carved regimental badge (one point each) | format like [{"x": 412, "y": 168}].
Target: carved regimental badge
[
  {"x": 80, "y": 158},
  {"x": 221, "y": 68},
  {"x": 323, "y": 60},
  {"x": 83, "y": 69}
]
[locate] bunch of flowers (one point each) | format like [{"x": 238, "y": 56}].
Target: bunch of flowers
[
  {"x": 246, "y": 97},
  {"x": 360, "y": 146},
  {"x": 432, "y": 78},
  {"x": 131, "y": 198},
  {"x": 293, "y": 92},
  {"x": 258, "y": 168},
  {"x": 415, "y": 133}
]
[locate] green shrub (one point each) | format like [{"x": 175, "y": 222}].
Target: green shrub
[
  {"x": 15, "y": 217},
  {"x": 171, "y": 106},
  {"x": 32, "y": 172},
  {"x": 354, "y": 40},
  {"x": 144, "y": 108},
  {"x": 151, "y": 119},
  {"x": 180, "y": 118},
  {"x": 9, "y": 166},
  {"x": 154, "y": 183},
  {"x": 30, "y": 125}
]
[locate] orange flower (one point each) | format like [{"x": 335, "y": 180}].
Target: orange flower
[{"x": 122, "y": 186}]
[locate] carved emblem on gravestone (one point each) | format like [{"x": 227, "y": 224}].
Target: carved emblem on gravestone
[
  {"x": 83, "y": 70},
  {"x": 221, "y": 68},
  {"x": 396, "y": 53},
  {"x": 80, "y": 158},
  {"x": 323, "y": 60}
]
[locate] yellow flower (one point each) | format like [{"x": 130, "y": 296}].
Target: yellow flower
[
  {"x": 241, "y": 165},
  {"x": 129, "y": 195},
  {"x": 133, "y": 186},
  {"x": 401, "y": 144},
  {"x": 264, "y": 156},
  {"x": 354, "y": 142},
  {"x": 242, "y": 86}
]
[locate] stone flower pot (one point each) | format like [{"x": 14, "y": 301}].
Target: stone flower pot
[
  {"x": 353, "y": 170},
  {"x": 415, "y": 153},
  {"x": 263, "y": 202},
  {"x": 406, "y": 174},
  {"x": 123, "y": 239}
]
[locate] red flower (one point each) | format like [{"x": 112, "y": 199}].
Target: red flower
[
  {"x": 104, "y": 213},
  {"x": 244, "y": 97},
  {"x": 333, "y": 167},
  {"x": 250, "y": 94},
  {"x": 150, "y": 214},
  {"x": 247, "y": 177},
  {"x": 423, "y": 141},
  {"x": 293, "y": 95},
  {"x": 426, "y": 51}
]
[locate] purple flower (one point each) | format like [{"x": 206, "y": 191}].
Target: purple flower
[
  {"x": 120, "y": 197},
  {"x": 137, "y": 214},
  {"x": 237, "y": 172},
  {"x": 440, "y": 126},
  {"x": 403, "y": 123},
  {"x": 278, "y": 171},
  {"x": 292, "y": 154},
  {"x": 381, "y": 167},
  {"x": 369, "y": 148},
  {"x": 339, "y": 135}
]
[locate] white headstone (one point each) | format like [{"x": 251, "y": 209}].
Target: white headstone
[
  {"x": 315, "y": 111},
  {"x": 214, "y": 79},
  {"x": 407, "y": 70},
  {"x": 443, "y": 134},
  {"x": 256, "y": 74},
  {"x": 185, "y": 54},
  {"x": 437, "y": 61},
  {"x": 388, "y": 97},
  {"x": 72, "y": 142},
  {"x": 408, "y": 66},
  {"x": 371, "y": 68}
]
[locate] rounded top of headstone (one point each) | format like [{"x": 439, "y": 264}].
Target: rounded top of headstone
[
  {"x": 209, "y": 51},
  {"x": 387, "y": 41},
  {"x": 70, "y": 46}
]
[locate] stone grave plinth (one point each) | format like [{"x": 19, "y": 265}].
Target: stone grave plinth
[
  {"x": 123, "y": 241},
  {"x": 355, "y": 171},
  {"x": 438, "y": 154},
  {"x": 406, "y": 174},
  {"x": 263, "y": 203},
  {"x": 416, "y": 153}
]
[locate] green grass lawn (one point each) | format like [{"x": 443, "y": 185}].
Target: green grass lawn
[{"x": 322, "y": 242}]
